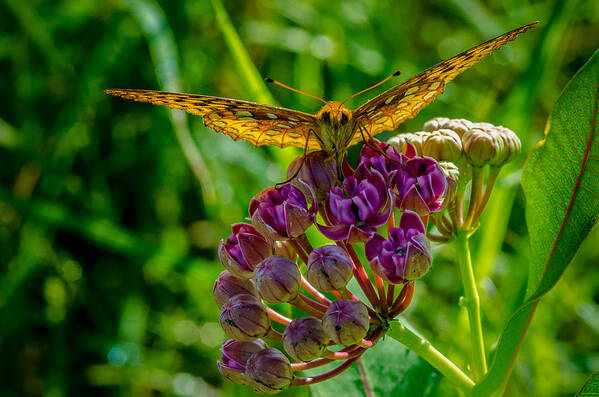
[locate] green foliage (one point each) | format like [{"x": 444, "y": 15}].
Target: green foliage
[
  {"x": 591, "y": 386},
  {"x": 390, "y": 370},
  {"x": 108, "y": 240},
  {"x": 562, "y": 189}
]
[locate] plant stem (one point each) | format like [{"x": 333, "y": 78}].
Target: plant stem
[
  {"x": 493, "y": 174},
  {"x": 367, "y": 388},
  {"x": 298, "y": 381},
  {"x": 478, "y": 179},
  {"x": 431, "y": 355},
  {"x": 278, "y": 317},
  {"x": 309, "y": 306},
  {"x": 360, "y": 275},
  {"x": 479, "y": 362},
  {"x": 403, "y": 300},
  {"x": 314, "y": 292}
]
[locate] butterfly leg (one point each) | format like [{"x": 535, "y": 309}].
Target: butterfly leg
[
  {"x": 376, "y": 148},
  {"x": 295, "y": 174}
]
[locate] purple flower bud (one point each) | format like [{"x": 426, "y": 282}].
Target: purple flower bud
[
  {"x": 421, "y": 186},
  {"x": 244, "y": 318},
  {"x": 226, "y": 286},
  {"x": 304, "y": 339},
  {"x": 281, "y": 213},
  {"x": 405, "y": 256},
  {"x": 243, "y": 250},
  {"x": 318, "y": 170},
  {"x": 356, "y": 210},
  {"x": 278, "y": 279},
  {"x": 346, "y": 321},
  {"x": 269, "y": 371},
  {"x": 329, "y": 268},
  {"x": 234, "y": 357}
]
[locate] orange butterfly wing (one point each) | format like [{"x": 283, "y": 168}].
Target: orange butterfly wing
[
  {"x": 389, "y": 109},
  {"x": 252, "y": 122}
]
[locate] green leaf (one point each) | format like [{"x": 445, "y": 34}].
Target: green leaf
[
  {"x": 391, "y": 370},
  {"x": 591, "y": 386},
  {"x": 561, "y": 184}
]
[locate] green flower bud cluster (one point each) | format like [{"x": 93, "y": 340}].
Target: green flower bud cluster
[
  {"x": 449, "y": 139},
  {"x": 466, "y": 151}
]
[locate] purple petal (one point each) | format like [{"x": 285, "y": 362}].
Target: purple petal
[
  {"x": 411, "y": 220},
  {"x": 413, "y": 201},
  {"x": 335, "y": 233},
  {"x": 359, "y": 234},
  {"x": 373, "y": 246}
]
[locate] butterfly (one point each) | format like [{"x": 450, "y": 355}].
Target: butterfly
[{"x": 335, "y": 127}]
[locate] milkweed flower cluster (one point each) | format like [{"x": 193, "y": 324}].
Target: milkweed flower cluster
[{"x": 272, "y": 261}]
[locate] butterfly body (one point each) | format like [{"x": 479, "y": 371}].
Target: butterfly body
[{"x": 335, "y": 127}]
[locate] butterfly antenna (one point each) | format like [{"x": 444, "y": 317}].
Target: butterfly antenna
[
  {"x": 374, "y": 86},
  {"x": 269, "y": 80}
]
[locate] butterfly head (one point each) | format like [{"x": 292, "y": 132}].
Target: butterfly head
[{"x": 334, "y": 113}]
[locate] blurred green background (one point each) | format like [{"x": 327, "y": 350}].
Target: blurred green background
[{"x": 108, "y": 239}]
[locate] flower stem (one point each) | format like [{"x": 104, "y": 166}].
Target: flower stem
[
  {"x": 278, "y": 317},
  {"x": 361, "y": 275},
  {"x": 403, "y": 300},
  {"x": 314, "y": 292},
  {"x": 299, "y": 381},
  {"x": 274, "y": 335},
  {"x": 309, "y": 306},
  {"x": 390, "y": 294},
  {"x": 478, "y": 179},
  {"x": 479, "y": 362},
  {"x": 305, "y": 244},
  {"x": 367, "y": 388},
  {"x": 380, "y": 286},
  {"x": 425, "y": 350},
  {"x": 493, "y": 174},
  {"x": 343, "y": 355}
]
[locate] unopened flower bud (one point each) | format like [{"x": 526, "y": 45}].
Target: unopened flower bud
[
  {"x": 243, "y": 250},
  {"x": 329, "y": 268},
  {"x": 281, "y": 213},
  {"x": 435, "y": 124},
  {"x": 346, "y": 322},
  {"x": 304, "y": 339},
  {"x": 401, "y": 141},
  {"x": 226, "y": 286},
  {"x": 269, "y": 371},
  {"x": 244, "y": 318},
  {"x": 278, "y": 279},
  {"x": 442, "y": 145},
  {"x": 452, "y": 174},
  {"x": 318, "y": 170},
  {"x": 234, "y": 357},
  {"x": 459, "y": 126},
  {"x": 511, "y": 146},
  {"x": 285, "y": 249},
  {"x": 482, "y": 144}
]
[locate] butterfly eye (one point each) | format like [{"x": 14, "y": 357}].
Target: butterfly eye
[
  {"x": 326, "y": 117},
  {"x": 343, "y": 118}
]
